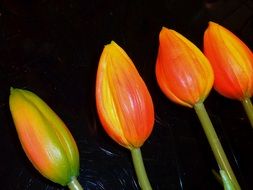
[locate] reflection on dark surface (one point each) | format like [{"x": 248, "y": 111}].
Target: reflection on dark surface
[{"x": 52, "y": 48}]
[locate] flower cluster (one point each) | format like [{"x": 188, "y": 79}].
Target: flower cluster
[{"x": 125, "y": 107}]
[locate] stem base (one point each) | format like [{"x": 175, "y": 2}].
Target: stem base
[
  {"x": 140, "y": 169},
  {"x": 74, "y": 184}
]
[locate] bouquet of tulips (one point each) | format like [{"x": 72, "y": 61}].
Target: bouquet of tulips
[{"x": 125, "y": 107}]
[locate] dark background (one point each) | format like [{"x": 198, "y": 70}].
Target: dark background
[{"x": 52, "y": 48}]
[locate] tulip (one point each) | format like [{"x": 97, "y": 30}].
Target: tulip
[
  {"x": 183, "y": 72},
  {"x": 45, "y": 139},
  {"x": 124, "y": 104},
  {"x": 232, "y": 62},
  {"x": 186, "y": 77}
]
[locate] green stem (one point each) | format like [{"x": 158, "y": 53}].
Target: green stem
[
  {"x": 228, "y": 185},
  {"x": 140, "y": 169},
  {"x": 74, "y": 184},
  {"x": 246, "y": 102},
  {"x": 215, "y": 144}
]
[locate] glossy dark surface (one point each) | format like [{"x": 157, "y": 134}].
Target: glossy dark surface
[{"x": 52, "y": 48}]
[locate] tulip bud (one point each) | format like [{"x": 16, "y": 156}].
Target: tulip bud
[
  {"x": 232, "y": 62},
  {"x": 186, "y": 77},
  {"x": 183, "y": 73},
  {"x": 44, "y": 137},
  {"x": 123, "y": 101}
]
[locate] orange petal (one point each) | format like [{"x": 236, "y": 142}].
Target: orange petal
[
  {"x": 232, "y": 62},
  {"x": 123, "y": 102},
  {"x": 182, "y": 71}
]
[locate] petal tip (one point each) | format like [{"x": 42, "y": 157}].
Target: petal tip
[
  {"x": 11, "y": 89},
  {"x": 113, "y": 42},
  {"x": 164, "y": 28},
  {"x": 211, "y": 23},
  {"x": 111, "y": 45}
]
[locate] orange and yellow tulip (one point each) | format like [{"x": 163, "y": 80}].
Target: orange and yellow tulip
[
  {"x": 44, "y": 137},
  {"x": 183, "y": 72},
  {"x": 186, "y": 77},
  {"x": 124, "y": 105},
  {"x": 123, "y": 101},
  {"x": 232, "y": 62}
]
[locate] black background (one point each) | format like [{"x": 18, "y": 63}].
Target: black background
[{"x": 52, "y": 48}]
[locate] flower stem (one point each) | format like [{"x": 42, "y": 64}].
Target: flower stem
[
  {"x": 74, "y": 184},
  {"x": 140, "y": 169},
  {"x": 228, "y": 185},
  {"x": 246, "y": 102},
  {"x": 215, "y": 144}
]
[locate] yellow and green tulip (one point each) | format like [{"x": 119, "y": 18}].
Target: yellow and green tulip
[{"x": 45, "y": 139}]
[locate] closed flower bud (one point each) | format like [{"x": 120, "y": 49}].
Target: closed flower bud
[
  {"x": 123, "y": 101},
  {"x": 232, "y": 62},
  {"x": 183, "y": 73},
  {"x": 44, "y": 137}
]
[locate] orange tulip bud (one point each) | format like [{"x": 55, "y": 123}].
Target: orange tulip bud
[
  {"x": 182, "y": 71},
  {"x": 123, "y": 101},
  {"x": 44, "y": 137},
  {"x": 232, "y": 62}
]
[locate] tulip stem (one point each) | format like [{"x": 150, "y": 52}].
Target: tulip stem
[
  {"x": 74, "y": 184},
  {"x": 228, "y": 185},
  {"x": 247, "y": 104},
  {"x": 140, "y": 169},
  {"x": 215, "y": 144}
]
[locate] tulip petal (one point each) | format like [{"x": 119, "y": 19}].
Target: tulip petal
[
  {"x": 182, "y": 71},
  {"x": 124, "y": 104},
  {"x": 232, "y": 62}
]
